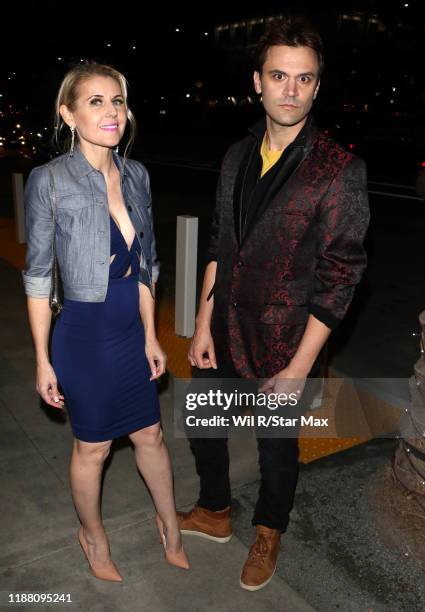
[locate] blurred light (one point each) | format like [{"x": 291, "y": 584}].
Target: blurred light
[
  {"x": 23, "y": 142},
  {"x": 177, "y": 30},
  {"x": 134, "y": 48},
  {"x": 59, "y": 59},
  {"x": 108, "y": 44},
  {"x": 1, "y": 144},
  {"x": 187, "y": 95},
  {"x": 406, "y": 4},
  {"x": 351, "y": 146},
  {"x": 39, "y": 135},
  {"x": 423, "y": 164},
  {"x": 394, "y": 88},
  {"x": 205, "y": 33},
  {"x": 162, "y": 112},
  {"x": 162, "y": 98},
  {"x": 18, "y": 125}
]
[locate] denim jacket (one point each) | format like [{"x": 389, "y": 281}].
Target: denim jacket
[{"x": 82, "y": 229}]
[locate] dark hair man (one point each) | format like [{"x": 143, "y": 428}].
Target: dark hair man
[{"x": 286, "y": 252}]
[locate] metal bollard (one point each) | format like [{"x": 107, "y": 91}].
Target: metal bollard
[
  {"x": 18, "y": 205},
  {"x": 186, "y": 267}
]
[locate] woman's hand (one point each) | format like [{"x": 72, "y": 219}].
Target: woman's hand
[
  {"x": 47, "y": 386},
  {"x": 156, "y": 357}
]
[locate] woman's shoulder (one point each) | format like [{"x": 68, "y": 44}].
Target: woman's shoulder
[
  {"x": 136, "y": 169},
  {"x": 134, "y": 165},
  {"x": 43, "y": 169}
]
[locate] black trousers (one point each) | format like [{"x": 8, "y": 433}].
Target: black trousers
[{"x": 278, "y": 462}]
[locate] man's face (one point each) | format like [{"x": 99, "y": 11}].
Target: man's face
[{"x": 288, "y": 83}]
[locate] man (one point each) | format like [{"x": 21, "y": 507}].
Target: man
[{"x": 286, "y": 252}]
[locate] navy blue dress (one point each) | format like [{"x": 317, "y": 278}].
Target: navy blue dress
[{"x": 98, "y": 355}]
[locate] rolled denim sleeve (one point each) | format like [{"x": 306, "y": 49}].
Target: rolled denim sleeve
[
  {"x": 38, "y": 231},
  {"x": 153, "y": 254}
]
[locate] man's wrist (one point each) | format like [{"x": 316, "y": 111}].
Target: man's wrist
[
  {"x": 299, "y": 370},
  {"x": 202, "y": 324}
]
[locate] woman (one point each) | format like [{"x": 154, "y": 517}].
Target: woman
[{"x": 105, "y": 354}]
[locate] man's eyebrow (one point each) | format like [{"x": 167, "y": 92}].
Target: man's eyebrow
[{"x": 277, "y": 71}]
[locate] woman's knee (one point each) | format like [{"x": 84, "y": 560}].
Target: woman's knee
[
  {"x": 95, "y": 452},
  {"x": 148, "y": 437}
]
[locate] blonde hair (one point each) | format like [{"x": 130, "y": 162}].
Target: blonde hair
[{"x": 68, "y": 94}]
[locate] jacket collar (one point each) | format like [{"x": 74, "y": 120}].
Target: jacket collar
[
  {"x": 304, "y": 137},
  {"x": 82, "y": 166}
]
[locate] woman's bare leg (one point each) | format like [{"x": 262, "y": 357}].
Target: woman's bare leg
[
  {"x": 85, "y": 476},
  {"x": 153, "y": 462}
]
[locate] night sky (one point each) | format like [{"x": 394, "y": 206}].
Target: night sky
[{"x": 384, "y": 72}]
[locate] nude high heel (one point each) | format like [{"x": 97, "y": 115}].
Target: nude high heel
[
  {"x": 179, "y": 559},
  {"x": 110, "y": 572}
]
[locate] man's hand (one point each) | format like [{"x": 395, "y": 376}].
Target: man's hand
[
  {"x": 201, "y": 353},
  {"x": 286, "y": 381}
]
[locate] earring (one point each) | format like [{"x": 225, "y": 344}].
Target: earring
[
  {"x": 117, "y": 149},
  {"x": 71, "y": 150}
]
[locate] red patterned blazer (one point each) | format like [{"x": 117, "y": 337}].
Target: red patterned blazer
[{"x": 303, "y": 253}]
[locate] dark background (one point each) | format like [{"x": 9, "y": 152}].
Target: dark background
[{"x": 372, "y": 97}]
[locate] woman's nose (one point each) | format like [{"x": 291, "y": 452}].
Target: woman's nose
[{"x": 112, "y": 110}]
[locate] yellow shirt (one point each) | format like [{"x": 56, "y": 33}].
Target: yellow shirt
[{"x": 269, "y": 157}]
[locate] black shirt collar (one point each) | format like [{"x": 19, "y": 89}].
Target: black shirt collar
[{"x": 303, "y": 138}]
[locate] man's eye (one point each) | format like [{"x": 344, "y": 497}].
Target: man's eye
[
  {"x": 305, "y": 79},
  {"x": 278, "y": 76}
]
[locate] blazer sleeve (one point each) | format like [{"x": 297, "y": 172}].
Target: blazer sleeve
[
  {"x": 212, "y": 250},
  {"x": 343, "y": 219},
  {"x": 38, "y": 232}
]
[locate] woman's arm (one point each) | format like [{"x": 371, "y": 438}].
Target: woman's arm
[
  {"x": 154, "y": 353},
  {"x": 37, "y": 278},
  {"x": 40, "y": 317}
]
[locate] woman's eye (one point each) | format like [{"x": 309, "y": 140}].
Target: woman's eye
[
  {"x": 95, "y": 101},
  {"x": 119, "y": 102}
]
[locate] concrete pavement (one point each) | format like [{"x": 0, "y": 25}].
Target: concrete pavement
[{"x": 39, "y": 550}]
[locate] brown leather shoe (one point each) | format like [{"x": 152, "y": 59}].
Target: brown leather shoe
[
  {"x": 206, "y": 523},
  {"x": 262, "y": 559}
]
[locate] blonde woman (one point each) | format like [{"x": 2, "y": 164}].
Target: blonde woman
[{"x": 105, "y": 357}]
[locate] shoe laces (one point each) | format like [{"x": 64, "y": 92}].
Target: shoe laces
[{"x": 258, "y": 551}]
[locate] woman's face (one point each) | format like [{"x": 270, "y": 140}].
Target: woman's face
[{"x": 100, "y": 112}]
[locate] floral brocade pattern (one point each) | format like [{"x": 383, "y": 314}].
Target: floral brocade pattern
[{"x": 304, "y": 256}]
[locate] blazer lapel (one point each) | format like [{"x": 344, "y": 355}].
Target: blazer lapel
[
  {"x": 238, "y": 189},
  {"x": 285, "y": 180}
]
